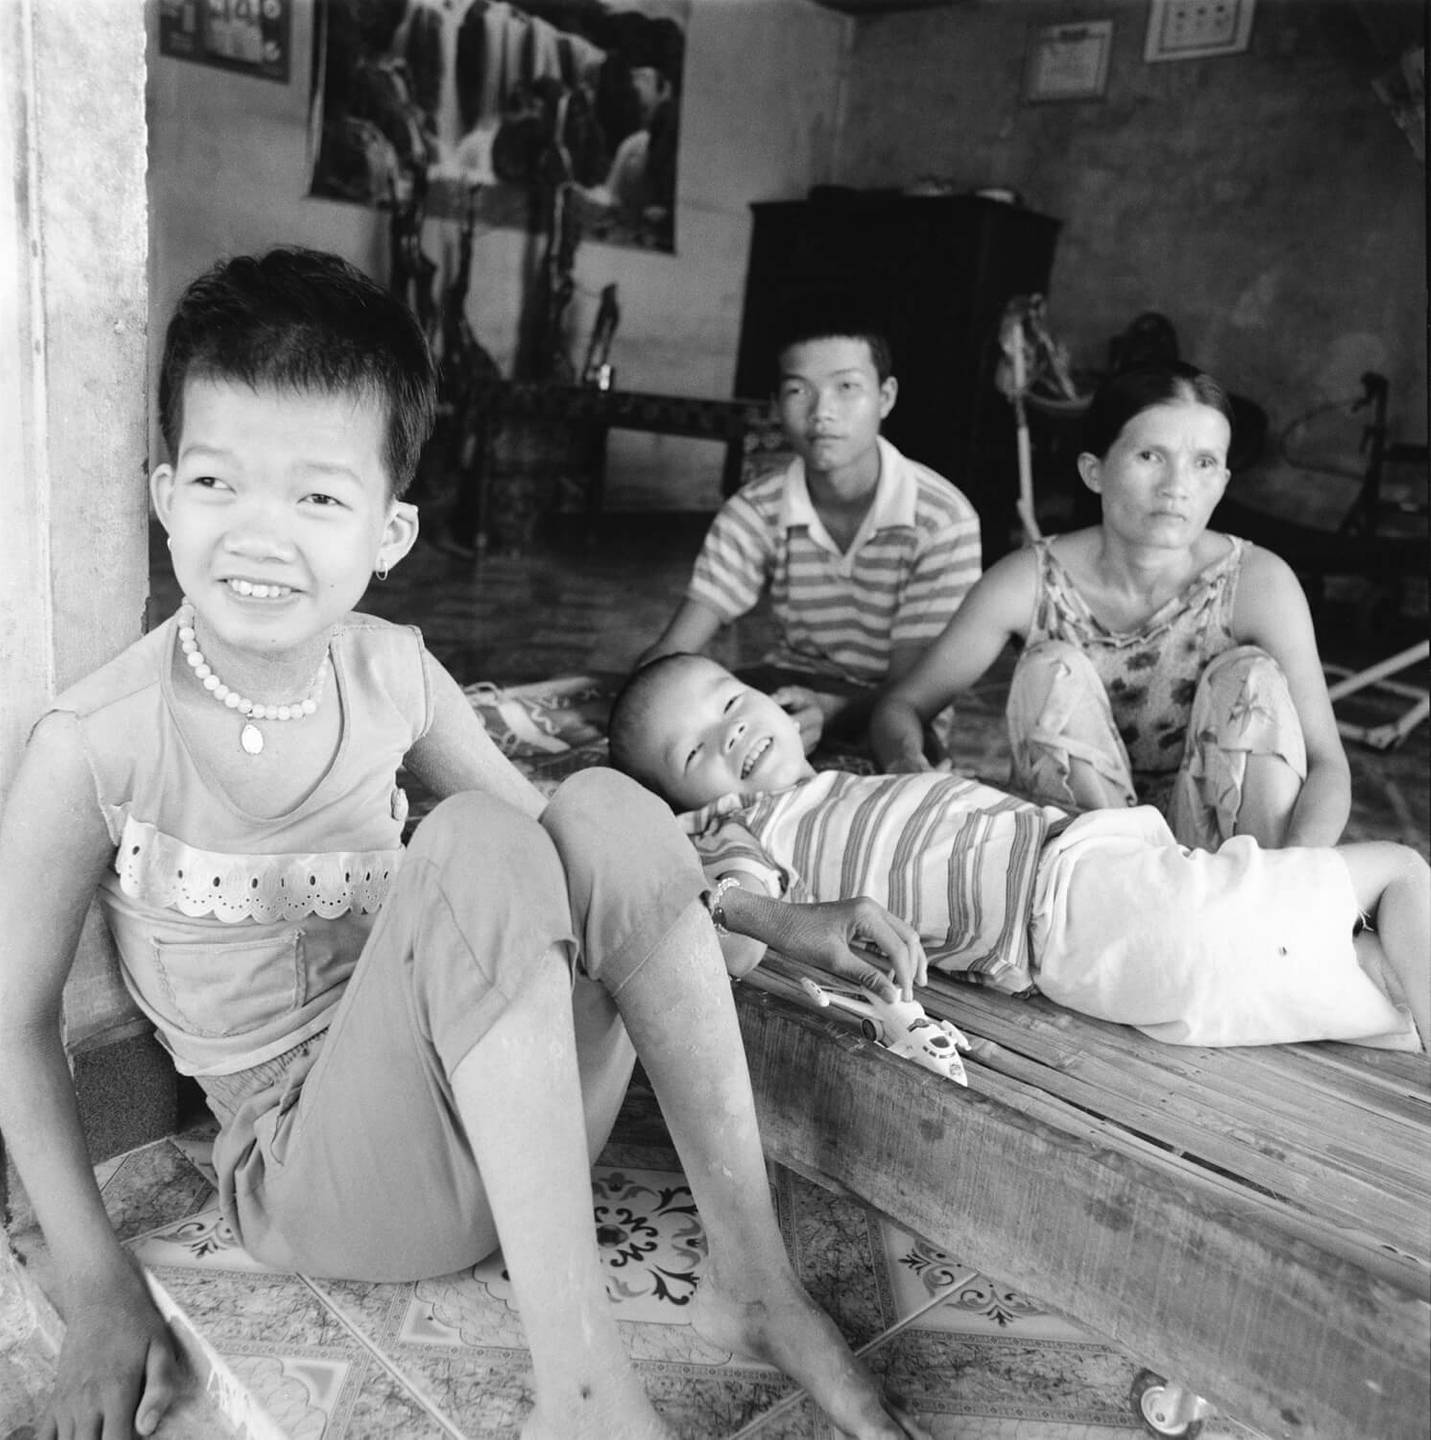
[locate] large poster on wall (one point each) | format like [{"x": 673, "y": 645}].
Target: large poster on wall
[{"x": 482, "y": 104}]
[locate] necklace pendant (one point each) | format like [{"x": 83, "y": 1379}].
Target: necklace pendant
[{"x": 251, "y": 738}]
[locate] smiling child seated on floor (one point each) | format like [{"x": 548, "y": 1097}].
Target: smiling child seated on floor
[
  {"x": 414, "y": 1050},
  {"x": 1105, "y": 913}
]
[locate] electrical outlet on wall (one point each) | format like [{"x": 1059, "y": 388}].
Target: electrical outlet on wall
[{"x": 1190, "y": 29}]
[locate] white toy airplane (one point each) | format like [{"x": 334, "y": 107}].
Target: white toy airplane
[{"x": 901, "y": 1026}]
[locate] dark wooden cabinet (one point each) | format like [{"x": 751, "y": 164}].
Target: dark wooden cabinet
[{"x": 938, "y": 270}]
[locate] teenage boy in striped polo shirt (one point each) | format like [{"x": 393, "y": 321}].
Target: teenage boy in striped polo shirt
[
  {"x": 1106, "y": 913},
  {"x": 866, "y": 553}
]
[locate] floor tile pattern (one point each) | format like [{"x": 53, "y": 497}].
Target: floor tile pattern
[{"x": 445, "y": 1358}]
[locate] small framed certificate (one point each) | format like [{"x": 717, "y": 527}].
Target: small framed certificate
[
  {"x": 1192, "y": 29},
  {"x": 1068, "y": 62}
]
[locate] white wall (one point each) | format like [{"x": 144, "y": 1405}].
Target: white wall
[{"x": 229, "y": 172}]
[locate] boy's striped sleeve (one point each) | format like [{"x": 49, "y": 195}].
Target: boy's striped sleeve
[
  {"x": 734, "y": 563},
  {"x": 948, "y": 565}
]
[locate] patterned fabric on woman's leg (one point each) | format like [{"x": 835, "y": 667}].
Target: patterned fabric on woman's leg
[
  {"x": 1058, "y": 714},
  {"x": 1242, "y": 707}
]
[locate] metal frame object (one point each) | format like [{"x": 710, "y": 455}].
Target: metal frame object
[{"x": 1393, "y": 732}]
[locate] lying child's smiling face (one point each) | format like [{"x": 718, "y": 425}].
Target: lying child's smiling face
[{"x": 712, "y": 735}]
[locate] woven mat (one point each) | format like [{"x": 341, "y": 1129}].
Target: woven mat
[{"x": 550, "y": 728}]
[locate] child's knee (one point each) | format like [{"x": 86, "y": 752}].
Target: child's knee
[
  {"x": 478, "y": 835},
  {"x": 629, "y": 869},
  {"x": 1377, "y": 866},
  {"x": 482, "y": 878},
  {"x": 602, "y": 817}
]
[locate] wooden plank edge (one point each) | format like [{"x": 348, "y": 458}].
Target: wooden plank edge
[
  {"x": 1198, "y": 1282},
  {"x": 1377, "y": 1161},
  {"x": 1384, "y": 1081},
  {"x": 1064, "y": 1040}
]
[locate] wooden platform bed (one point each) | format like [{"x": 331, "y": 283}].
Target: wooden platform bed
[{"x": 1254, "y": 1223}]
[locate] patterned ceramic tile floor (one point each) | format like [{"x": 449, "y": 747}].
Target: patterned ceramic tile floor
[{"x": 444, "y": 1359}]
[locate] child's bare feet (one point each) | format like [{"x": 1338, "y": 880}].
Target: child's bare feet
[{"x": 787, "y": 1329}]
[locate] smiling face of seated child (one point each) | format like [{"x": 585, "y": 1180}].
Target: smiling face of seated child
[{"x": 689, "y": 730}]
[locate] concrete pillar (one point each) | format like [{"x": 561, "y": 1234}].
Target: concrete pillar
[{"x": 73, "y": 507}]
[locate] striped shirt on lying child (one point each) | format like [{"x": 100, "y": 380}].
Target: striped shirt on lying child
[{"x": 953, "y": 857}]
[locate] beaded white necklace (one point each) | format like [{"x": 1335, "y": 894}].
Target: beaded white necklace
[{"x": 250, "y": 736}]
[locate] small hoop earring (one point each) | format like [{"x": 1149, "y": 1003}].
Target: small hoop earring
[{"x": 381, "y": 570}]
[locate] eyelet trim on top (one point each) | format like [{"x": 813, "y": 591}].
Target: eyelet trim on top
[{"x": 159, "y": 870}]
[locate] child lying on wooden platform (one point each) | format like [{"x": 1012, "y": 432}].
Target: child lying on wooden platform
[{"x": 1105, "y": 913}]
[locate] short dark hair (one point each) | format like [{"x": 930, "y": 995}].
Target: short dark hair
[
  {"x": 1140, "y": 387},
  {"x": 308, "y": 322},
  {"x": 630, "y": 710},
  {"x": 836, "y": 316}
]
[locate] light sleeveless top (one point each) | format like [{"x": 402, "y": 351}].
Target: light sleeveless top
[
  {"x": 1150, "y": 673},
  {"x": 236, "y": 933}
]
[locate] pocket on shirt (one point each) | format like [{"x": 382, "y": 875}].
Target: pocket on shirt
[{"x": 230, "y": 987}]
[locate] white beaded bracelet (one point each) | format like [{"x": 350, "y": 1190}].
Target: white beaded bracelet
[{"x": 714, "y": 901}]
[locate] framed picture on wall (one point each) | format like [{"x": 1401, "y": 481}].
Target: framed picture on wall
[
  {"x": 1192, "y": 29},
  {"x": 1068, "y": 62},
  {"x": 504, "y": 101},
  {"x": 247, "y": 36}
]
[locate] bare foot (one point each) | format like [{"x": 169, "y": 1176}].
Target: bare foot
[{"x": 791, "y": 1332}]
